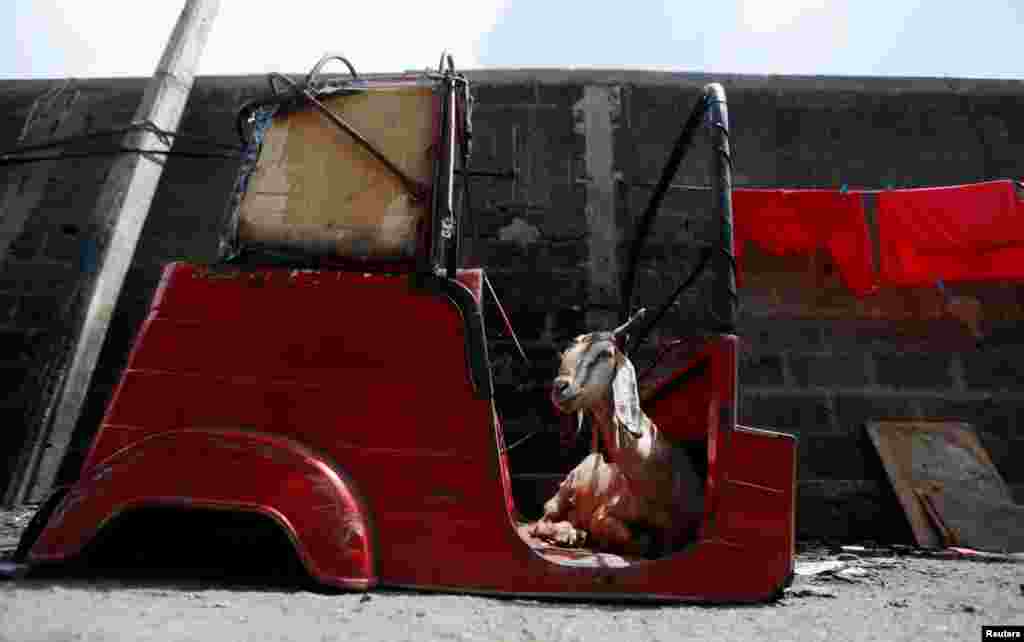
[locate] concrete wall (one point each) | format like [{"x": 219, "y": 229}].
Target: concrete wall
[{"x": 818, "y": 363}]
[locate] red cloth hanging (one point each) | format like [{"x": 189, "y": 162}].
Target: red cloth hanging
[
  {"x": 958, "y": 233},
  {"x": 801, "y": 221}
]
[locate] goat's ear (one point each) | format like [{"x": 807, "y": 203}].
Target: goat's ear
[{"x": 626, "y": 398}]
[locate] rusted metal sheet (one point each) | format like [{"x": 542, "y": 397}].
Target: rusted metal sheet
[
  {"x": 917, "y": 455},
  {"x": 967, "y": 518}
]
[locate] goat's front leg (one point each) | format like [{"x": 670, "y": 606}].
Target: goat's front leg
[
  {"x": 563, "y": 533},
  {"x": 561, "y": 522},
  {"x": 612, "y": 534},
  {"x": 556, "y": 508}
]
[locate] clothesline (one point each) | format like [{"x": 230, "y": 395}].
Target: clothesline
[
  {"x": 842, "y": 188},
  {"x": 926, "y": 236}
]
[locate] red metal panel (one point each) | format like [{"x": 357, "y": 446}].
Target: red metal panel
[
  {"x": 370, "y": 375},
  {"x": 682, "y": 401},
  {"x": 268, "y": 474},
  {"x": 758, "y": 492}
]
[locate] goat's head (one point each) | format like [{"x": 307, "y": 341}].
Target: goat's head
[{"x": 594, "y": 369}]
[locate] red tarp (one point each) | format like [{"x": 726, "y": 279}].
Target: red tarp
[
  {"x": 801, "y": 221},
  {"x": 958, "y": 233}
]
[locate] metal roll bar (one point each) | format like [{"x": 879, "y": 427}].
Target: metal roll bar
[{"x": 711, "y": 109}]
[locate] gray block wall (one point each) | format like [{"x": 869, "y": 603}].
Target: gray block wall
[{"x": 816, "y": 363}]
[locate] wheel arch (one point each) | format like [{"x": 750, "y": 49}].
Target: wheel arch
[{"x": 312, "y": 500}]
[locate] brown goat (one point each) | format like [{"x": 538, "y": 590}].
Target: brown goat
[{"x": 635, "y": 485}]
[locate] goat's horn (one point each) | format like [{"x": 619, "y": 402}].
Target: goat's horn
[{"x": 633, "y": 319}]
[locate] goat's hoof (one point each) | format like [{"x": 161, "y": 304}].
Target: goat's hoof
[{"x": 572, "y": 538}]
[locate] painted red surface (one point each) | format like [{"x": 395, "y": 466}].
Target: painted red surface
[
  {"x": 342, "y": 405},
  {"x": 957, "y": 233},
  {"x": 782, "y": 221},
  {"x": 954, "y": 233}
]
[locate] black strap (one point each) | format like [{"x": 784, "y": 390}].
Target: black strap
[
  {"x": 508, "y": 324},
  {"x": 702, "y": 262}
]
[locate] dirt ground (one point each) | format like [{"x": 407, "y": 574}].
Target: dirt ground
[{"x": 881, "y": 593}]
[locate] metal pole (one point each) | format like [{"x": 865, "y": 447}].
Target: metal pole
[
  {"x": 682, "y": 145},
  {"x": 118, "y": 218},
  {"x": 724, "y": 297},
  {"x": 711, "y": 109}
]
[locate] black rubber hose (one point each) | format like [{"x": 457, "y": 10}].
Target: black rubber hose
[
  {"x": 315, "y": 71},
  {"x": 711, "y": 102}
]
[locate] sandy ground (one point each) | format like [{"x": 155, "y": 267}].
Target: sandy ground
[{"x": 888, "y": 595}]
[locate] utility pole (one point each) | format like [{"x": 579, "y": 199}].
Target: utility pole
[{"x": 117, "y": 221}]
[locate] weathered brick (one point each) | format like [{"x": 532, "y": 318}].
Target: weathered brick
[
  {"x": 850, "y": 510},
  {"x": 39, "y": 311},
  {"x": 18, "y": 345},
  {"x": 561, "y": 95},
  {"x": 496, "y": 253},
  {"x": 1005, "y": 333},
  {"x": 1001, "y": 369},
  {"x": 781, "y": 334},
  {"x": 796, "y": 412},
  {"x": 8, "y": 307},
  {"x": 855, "y": 409},
  {"x": 527, "y": 321},
  {"x": 490, "y": 95},
  {"x": 828, "y": 370},
  {"x": 42, "y": 278},
  {"x": 913, "y": 369},
  {"x": 12, "y": 418},
  {"x": 12, "y": 376},
  {"x": 905, "y": 335},
  {"x": 63, "y": 248},
  {"x": 27, "y": 245},
  {"x": 549, "y": 288},
  {"x": 568, "y": 221},
  {"x": 762, "y": 370},
  {"x": 832, "y": 457}
]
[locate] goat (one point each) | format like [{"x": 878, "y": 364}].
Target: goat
[{"x": 639, "y": 487}]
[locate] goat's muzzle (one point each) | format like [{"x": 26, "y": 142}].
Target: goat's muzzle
[{"x": 563, "y": 393}]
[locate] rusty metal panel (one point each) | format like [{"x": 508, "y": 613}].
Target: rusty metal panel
[
  {"x": 918, "y": 455},
  {"x": 316, "y": 189}
]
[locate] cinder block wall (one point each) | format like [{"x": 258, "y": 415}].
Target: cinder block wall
[{"x": 817, "y": 362}]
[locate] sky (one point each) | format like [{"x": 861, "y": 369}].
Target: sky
[{"x": 102, "y": 38}]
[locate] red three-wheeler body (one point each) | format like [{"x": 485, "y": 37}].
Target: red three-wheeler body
[{"x": 355, "y": 409}]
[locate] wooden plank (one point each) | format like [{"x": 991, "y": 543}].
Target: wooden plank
[
  {"x": 315, "y": 189},
  {"x": 120, "y": 213},
  {"x": 916, "y": 453}
]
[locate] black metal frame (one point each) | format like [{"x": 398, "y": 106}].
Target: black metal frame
[
  {"x": 445, "y": 229},
  {"x": 710, "y": 108},
  {"x": 445, "y": 243}
]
